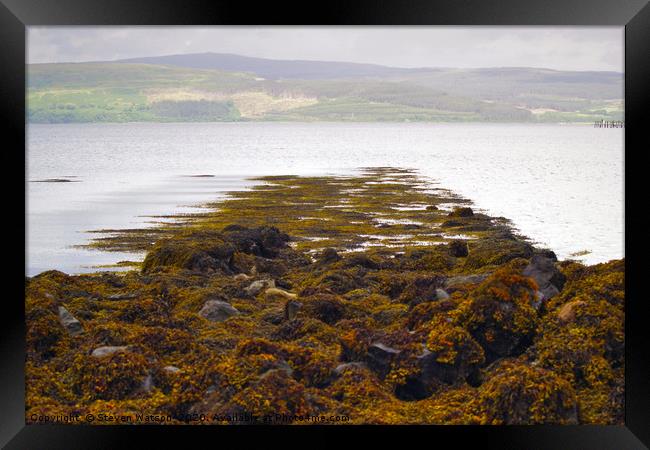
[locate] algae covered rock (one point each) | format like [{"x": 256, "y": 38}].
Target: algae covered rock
[
  {"x": 329, "y": 256},
  {"x": 497, "y": 251},
  {"x": 110, "y": 373},
  {"x": 400, "y": 332},
  {"x": 461, "y": 212},
  {"x": 209, "y": 251},
  {"x": 458, "y": 249},
  {"x": 201, "y": 253},
  {"x": 261, "y": 241},
  {"x": 380, "y": 357},
  {"x": 326, "y": 308},
  {"x": 421, "y": 289},
  {"x": 451, "y": 354},
  {"x": 499, "y": 313},
  {"x": 517, "y": 394}
]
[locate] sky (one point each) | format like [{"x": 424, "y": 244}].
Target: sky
[{"x": 560, "y": 48}]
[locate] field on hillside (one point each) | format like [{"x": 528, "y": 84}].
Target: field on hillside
[{"x": 128, "y": 92}]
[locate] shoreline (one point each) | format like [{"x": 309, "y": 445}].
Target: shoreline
[{"x": 372, "y": 296}]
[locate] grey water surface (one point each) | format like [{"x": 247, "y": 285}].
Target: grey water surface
[{"x": 561, "y": 185}]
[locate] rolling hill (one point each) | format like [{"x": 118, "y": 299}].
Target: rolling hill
[{"x": 218, "y": 87}]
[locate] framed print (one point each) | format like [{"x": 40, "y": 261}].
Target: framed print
[{"x": 376, "y": 218}]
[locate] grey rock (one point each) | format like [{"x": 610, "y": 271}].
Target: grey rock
[
  {"x": 171, "y": 369},
  {"x": 69, "y": 321},
  {"x": 351, "y": 365},
  {"x": 550, "y": 280},
  {"x": 441, "y": 294},
  {"x": 258, "y": 286},
  {"x": 275, "y": 316},
  {"x": 101, "y": 352},
  {"x": 380, "y": 357},
  {"x": 147, "y": 383},
  {"x": 217, "y": 310},
  {"x": 291, "y": 309},
  {"x": 122, "y": 296}
]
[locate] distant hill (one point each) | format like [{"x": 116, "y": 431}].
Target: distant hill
[
  {"x": 219, "y": 87},
  {"x": 272, "y": 68}
]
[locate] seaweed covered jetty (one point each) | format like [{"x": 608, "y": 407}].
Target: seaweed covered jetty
[{"x": 374, "y": 298}]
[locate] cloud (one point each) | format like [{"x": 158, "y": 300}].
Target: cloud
[{"x": 563, "y": 48}]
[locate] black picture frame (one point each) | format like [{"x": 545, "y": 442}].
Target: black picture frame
[{"x": 16, "y": 15}]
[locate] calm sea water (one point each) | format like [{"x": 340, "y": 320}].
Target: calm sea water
[{"x": 561, "y": 185}]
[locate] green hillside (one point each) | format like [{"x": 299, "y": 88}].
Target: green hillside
[{"x": 125, "y": 92}]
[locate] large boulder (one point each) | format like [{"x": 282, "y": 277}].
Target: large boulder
[{"x": 217, "y": 311}]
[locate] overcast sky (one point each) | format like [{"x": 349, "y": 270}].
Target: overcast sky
[{"x": 562, "y": 48}]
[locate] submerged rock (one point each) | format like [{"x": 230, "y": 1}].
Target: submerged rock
[{"x": 217, "y": 310}]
